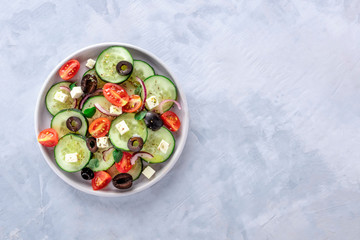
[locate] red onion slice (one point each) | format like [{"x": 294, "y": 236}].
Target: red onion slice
[
  {"x": 140, "y": 154},
  {"x": 165, "y": 101},
  {"x": 104, "y": 111},
  {"x": 145, "y": 93},
  {"x": 99, "y": 90},
  {"x": 83, "y": 101},
  {"x": 89, "y": 95},
  {"x": 65, "y": 88},
  {"x": 106, "y": 153},
  {"x": 75, "y": 103}
]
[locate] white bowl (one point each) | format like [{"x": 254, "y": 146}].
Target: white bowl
[{"x": 43, "y": 118}]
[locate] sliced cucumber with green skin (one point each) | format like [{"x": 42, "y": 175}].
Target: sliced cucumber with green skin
[
  {"x": 89, "y": 103},
  {"x": 103, "y": 164},
  {"x": 142, "y": 70},
  {"x": 72, "y": 143},
  {"x": 136, "y": 127},
  {"x": 162, "y": 88},
  {"x": 100, "y": 83},
  {"x": 152, "y": 144},
  {"x": 136, "y": 169},
  {"x": 106, "y": 62},
  {"x": 58, "y": 122},
  {"x": 54, "y": 106}
]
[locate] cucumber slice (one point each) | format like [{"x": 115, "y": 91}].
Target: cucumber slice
[
  {"x": 72, "y": 143},
  {"x": 142, "y": 70},
  {"x": 58, "y": 122},
  {"x": 162, "y": 88},
  {"x": 154, "y": 139},
  {"x": 106, "y": 62},
  {"x": 54, "y": 106},
  {"x": 136, "y": 127},
  {"x": 100, "y": 83},
  {"x": 103, "y": 165},
  {"x": 135, "y": 171},
  {"x": 89, "y": 103}
]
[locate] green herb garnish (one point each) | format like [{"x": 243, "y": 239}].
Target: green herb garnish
[
  {"x": 72, "y": 85},
  {"x": 138, "y": 90},
  {"x": 93, "y": 163},
  {"x": 140, "y": 115},
  {"x": 117, "y": 154},
  {"x": 89, "y": 112}
]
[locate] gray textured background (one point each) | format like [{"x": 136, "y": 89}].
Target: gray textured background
[{"x": 273, "y": 150}]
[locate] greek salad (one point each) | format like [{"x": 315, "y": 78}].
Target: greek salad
[{"x": 113, "y": 121}]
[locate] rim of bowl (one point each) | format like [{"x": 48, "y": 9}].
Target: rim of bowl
[{"x": 173, "y": 159}]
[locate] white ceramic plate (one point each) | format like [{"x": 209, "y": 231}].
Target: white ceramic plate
[{"x": 43, "y": 118}]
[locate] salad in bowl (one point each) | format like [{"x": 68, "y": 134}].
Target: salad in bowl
[{"x": 111, "y": 120}]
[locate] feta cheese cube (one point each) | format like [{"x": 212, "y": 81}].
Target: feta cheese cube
[
  {"x": 76, "y": 92},
  {"x": 60, "y": 96},
  {"x": 102, "y": 142},
  {"x": 90, "y": 63},
  {"x": 71, "y": 157},
  {"x": 152, "y": 102},
  {"x": 148, "y": 172},
  {"x": 115, "y": 110},
  {"x": 163, "y": 146},
  {"x": 122, "y": 127}
]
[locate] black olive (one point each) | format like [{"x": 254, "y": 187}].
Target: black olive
[
  {"x": 87, "y": 173},
  {"x": 153, "y": 121},
  {"x": 89, "y": 83},
  {"x": 122, "y": 181},
  {"x": 124, "y": 68},
  {"x": 91, "y": 144},
  {"x": 73, "y": 124},
  {"x": 133, "y": 146}
]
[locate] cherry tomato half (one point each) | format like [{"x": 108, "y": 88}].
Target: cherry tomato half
[
  {"x": 171, "y": 121},
  {"x": 48, "y": 137},
  {"x": 99, "y": 127},
  {"x": 124, "y": 165},
  {"x": 133, "y": 105},
  {"x": 69, "y": 69},
  {"x": 101, "y": 179},
  {"x": 115, "y": 94}
]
